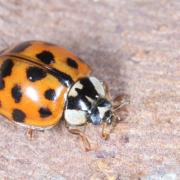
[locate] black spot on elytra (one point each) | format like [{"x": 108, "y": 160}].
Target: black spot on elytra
[
  {"x": 18, "y": 115},
  {"x": 63, "y": 78},
  {"x": 21, "y": 47},
  {"x": 50, "y": 94},
  {"x": 46, "y": 57},
  {"x": 16, "y": 93},
  {"x": 44, "y": 112},
  {"x": 72, "y": 63},
  {"x": 6, "y": 68},
  {"x": 35, "y": 73},
  {"x": 2, "y": 84}
]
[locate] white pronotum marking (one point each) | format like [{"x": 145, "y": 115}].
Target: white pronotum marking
[
  {"x": 75, "y": 117},
  {"x": 89, "y": 99},
  {"x": 73, "y": 91},
  {"x": 98, "y": 86}
]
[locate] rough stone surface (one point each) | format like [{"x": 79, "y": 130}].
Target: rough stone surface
[{"x": 134, "y": 46}]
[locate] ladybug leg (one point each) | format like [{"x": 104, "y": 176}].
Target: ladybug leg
[
  {"x": 108, "y": 128},
  {"x": 82, "y": 135},
  {"x": 84, "y": 138},
  {"x": 30, "y": 133},
  {"x": 119, "y": 103},
  {"x": 105, "y": 131}
]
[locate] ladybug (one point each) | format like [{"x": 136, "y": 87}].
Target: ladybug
[{"x": 41, "y": 83}]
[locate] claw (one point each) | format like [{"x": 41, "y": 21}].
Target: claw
[
  {"x": 106, "y": 130},
  {"x": 30, "y": 133}
]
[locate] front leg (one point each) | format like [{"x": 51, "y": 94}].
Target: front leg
[{"x": 82, "y": 135}]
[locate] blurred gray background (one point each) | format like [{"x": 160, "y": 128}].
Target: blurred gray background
[{"x": 133, "y": 45}]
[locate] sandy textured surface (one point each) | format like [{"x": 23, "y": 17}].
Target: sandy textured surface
[{"x": 132, "y": 45}]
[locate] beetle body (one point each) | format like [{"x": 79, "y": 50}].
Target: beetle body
[{"x": 39, "y": 82}]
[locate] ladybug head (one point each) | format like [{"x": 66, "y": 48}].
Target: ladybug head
[{"x": 87, "y": 102}]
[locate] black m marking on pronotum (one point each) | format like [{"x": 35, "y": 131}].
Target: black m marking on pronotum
[{"x": 88, "y": 89}]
